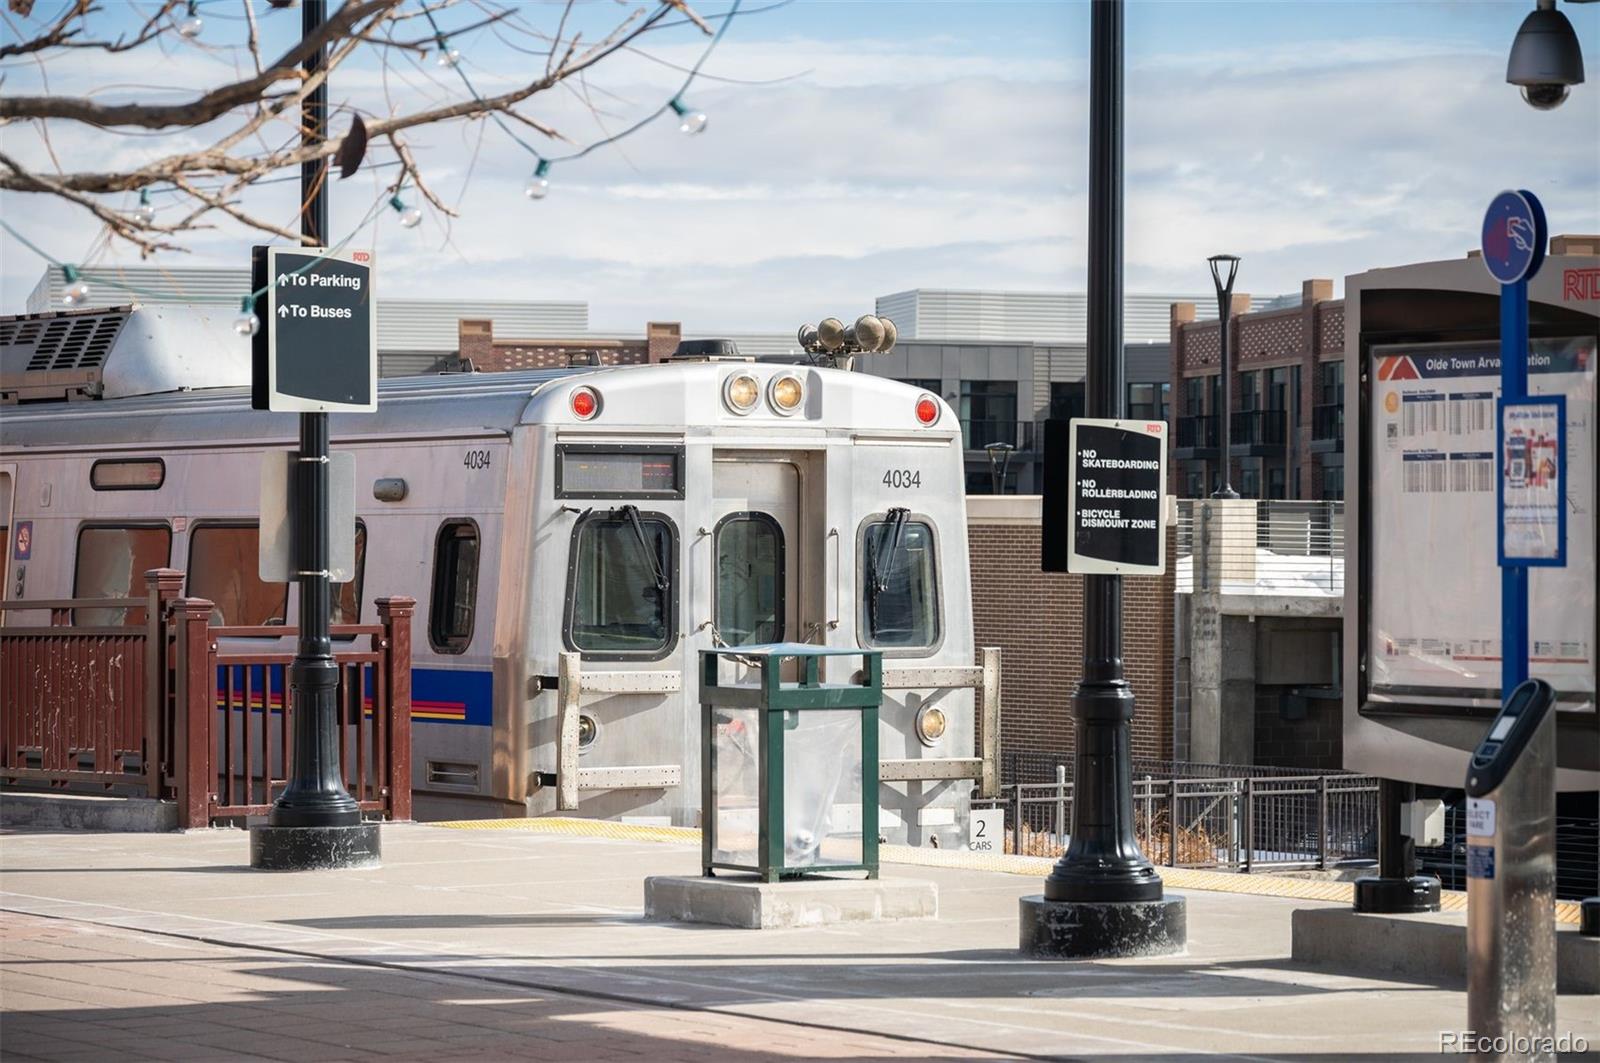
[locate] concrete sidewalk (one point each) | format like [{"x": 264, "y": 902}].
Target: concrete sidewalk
[{"x": 552, "y": 923}]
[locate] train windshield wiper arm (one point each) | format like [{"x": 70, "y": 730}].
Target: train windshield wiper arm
[
  {"x": 888, "y": 550},
  {"x": 631, "y": 512}
]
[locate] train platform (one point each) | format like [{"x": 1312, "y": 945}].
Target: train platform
[{"x": 519, "y": 943}]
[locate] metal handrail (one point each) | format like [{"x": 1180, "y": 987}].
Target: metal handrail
[{"x": 1245, "y": 822}]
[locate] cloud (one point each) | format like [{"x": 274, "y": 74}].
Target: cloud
[{"x": 941, "y": 161}]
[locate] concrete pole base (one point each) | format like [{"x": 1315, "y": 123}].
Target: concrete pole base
[
  {"x": 1086, "y": 930},
  {"x": 315, "y": 848},
  {"x": 1397, "y": 896}
]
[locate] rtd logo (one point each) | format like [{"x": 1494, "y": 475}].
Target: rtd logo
[
  {"x": 1581, "y": 285},
  {"x": 361, "y": 256}
]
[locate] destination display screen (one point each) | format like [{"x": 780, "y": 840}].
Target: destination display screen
[{"x": 603, "y": 471}]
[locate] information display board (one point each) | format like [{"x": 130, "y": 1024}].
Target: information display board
[
  {"x": 1433, "y": 616},
  {"x": 1533, "y": 481}
]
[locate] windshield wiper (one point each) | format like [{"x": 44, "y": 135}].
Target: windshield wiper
[
  {"x": 889, "y": 549},
  {"x": 631, "y": 512}
]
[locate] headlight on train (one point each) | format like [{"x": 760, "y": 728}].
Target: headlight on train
[
  {"x": 786, "y": 393},
  {"x": 585, "y": 403},
  {"x": 931, "y": 722},
  {"x": 740, "y": 392}
]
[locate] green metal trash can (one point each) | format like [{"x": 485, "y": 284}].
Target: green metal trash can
[{"x": 788, "y": 770}]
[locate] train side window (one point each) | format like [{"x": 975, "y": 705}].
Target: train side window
[
  {"x": 223, "y": 563},
  {"x": 455, "y": 587},
  {"x": 748, "y": 605},
  {"x": 621, "y": 585},
  {"x": 900, "y": 584},
  {"x": 347, "y": 596},
  {"x": 111, "y": 563}
]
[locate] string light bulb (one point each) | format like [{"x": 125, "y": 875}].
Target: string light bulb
[
  {"x": 145, "y": 211},
  {"x": 538, "y": 185},
  {"x": 247, "y": 324},
  {"x": 410, "y": 217},
  {"x": 448, "y": 56},
  {"x": 690, "y": 121},
  {"x": 192, "y": 23},
  {"x": 77, "y": 289}
]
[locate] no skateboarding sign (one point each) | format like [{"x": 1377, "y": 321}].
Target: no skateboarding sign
[{"x": 1115, "y": 507}]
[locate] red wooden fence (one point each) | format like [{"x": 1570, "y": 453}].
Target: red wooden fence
[{"x": 163, "y": 710}]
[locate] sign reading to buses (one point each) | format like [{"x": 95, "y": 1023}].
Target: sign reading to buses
[
  {"x": 1115, "y": 506},
  {"x": 317, "y": 348}
]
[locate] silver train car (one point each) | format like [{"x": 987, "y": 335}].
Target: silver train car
[{"x": 573, "y": 538}]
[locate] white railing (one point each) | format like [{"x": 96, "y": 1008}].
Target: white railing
[{"x": 1245, "y": 546}]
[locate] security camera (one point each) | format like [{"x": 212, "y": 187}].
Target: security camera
[
  {"x": 1545, "y": 97},
  {"x": 1545, "y": 58}
]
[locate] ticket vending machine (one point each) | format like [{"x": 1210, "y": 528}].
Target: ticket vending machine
[
  {"x": 1511, "y": 871},
  {"x": 1422, "y": 588}
]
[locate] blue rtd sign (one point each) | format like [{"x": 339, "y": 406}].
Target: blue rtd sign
[
  {"x": 1513, "y": 236},
  {"x": 1531, "y": 444}
]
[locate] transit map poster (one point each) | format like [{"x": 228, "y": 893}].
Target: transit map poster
[{"x": 1433, "y": 611}]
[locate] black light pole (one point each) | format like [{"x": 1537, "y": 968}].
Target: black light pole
[
  {"x": 1103, "y": 898},
  {"x": 1225, "y": 385},
  {"x": 314, "y": 823}
]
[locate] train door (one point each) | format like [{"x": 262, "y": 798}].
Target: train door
[{"x": 757, "y": 550}]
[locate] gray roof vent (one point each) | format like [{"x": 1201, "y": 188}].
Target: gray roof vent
[
  {"x": 117, "y": 352},
  {"x": 63, "y": 343}
]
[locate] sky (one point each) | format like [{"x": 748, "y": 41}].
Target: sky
[{"x": 860, "y": 148}]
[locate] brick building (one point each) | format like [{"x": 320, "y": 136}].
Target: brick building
[
  {"x": 479, "y": 348},
  {"x": 1037, "y": 621},
  {"x": 1287, "y": 391}
]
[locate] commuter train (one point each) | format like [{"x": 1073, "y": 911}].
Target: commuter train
[{"x": 572, "y": 537}]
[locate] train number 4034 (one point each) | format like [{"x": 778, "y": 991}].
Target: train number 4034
[
  {"x": 476, "y": 459},
  {"x": 902, "y": 478}
]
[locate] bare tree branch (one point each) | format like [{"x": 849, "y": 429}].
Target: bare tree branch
[
  {"x": 246, "y": 132},
  {"x": 213, "y": 104}
]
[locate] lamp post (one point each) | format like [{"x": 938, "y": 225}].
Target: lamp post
[
  {"x": 314, "y": 823},
  {"x": 1224, "y": 286},
  {"x": 999, "y": 462},
  {"x": 1103, "y": 898}
]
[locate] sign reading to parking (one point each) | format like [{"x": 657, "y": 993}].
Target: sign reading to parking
[
  {"x": 1115, "y": 507},
  {"x": 317, "y": 348}
]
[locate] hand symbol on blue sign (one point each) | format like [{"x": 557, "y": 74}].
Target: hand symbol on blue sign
[{"x": 1520, "y": 232}]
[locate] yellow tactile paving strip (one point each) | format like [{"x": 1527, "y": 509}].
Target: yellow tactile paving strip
[{"x": 1183, "y": 878}]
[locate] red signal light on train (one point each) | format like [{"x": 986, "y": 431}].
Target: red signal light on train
[
  {"x": 927, "y": 410},
  {"x": 585, "y": 403}
]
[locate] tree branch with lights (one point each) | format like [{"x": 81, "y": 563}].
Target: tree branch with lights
[{"x": 249, "y": 125}]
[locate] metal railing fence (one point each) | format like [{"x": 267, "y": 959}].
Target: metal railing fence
[
  {"x": 1259, "y": 428},
  {"x": 982, "y": 433},
  {"x": 1198, "y": 431},
  {"x": 1327, "y": 422},
  {"x": 1260, "y": 547},
  {"x": 1041, "y": 766},
  {"x": 161, "y": 708},
  {"x": 1577, "y": 854},
  {"x": 1241, "y": 822}
]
